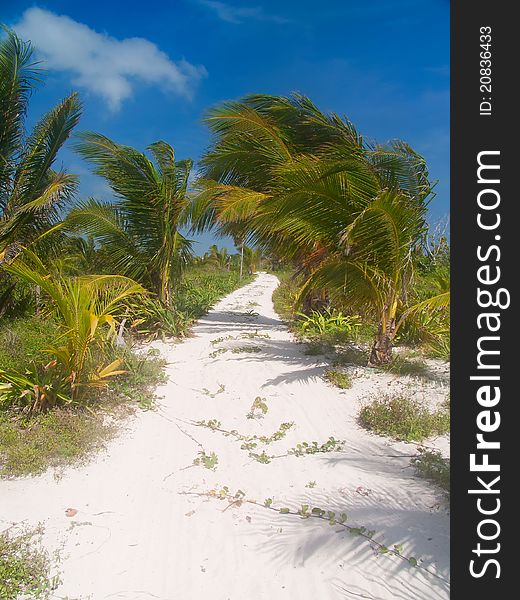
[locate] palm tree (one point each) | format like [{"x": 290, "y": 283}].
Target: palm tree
[
  {"x": 252, "y": 257},
  {"x": 140, "y": 229},
  {"x": 219, "y": 258},
  {"x": 31, "y": 192},
  {"x": 307, "y": 187}
]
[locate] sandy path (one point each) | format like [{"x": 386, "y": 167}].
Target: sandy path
[{"x": 136, "y": 537}]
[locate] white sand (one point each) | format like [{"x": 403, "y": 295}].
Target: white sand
[{"x": 135, "y": 537}]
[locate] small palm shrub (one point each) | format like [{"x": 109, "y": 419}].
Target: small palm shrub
[
  {"x": 152, "y": 319},
  {"x": 85, "y": 309},
  {"x": 328, "y": 320}
]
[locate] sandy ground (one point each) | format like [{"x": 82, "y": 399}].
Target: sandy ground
[{"x": 137, "y": 536}]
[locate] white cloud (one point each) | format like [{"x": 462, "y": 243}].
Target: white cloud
[
  {"x": 101, "y": 64},
  {"x": 238, "y": 14}
]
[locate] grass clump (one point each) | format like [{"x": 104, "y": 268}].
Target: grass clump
[
  {"x": 69, "y": 435},
  {"x": 431, "y": 465},
  {"x": 407, "y": 365},
  {"x": 53, "y": 439},
  {"x": 338, "y": 378},
  {"x": 25, "y": 568},
  {"x": 404, "y": 419}
]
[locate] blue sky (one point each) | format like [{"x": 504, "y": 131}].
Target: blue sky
[{"x": 148, "y": 71}]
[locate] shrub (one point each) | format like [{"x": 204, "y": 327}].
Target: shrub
[
  {"x": 284, "y": 296},
  {"x": 24, "y": 566},
  {"x": 151, "y": 319},
  {"x": 52, "y": 439},
  {"x": 404, "y": 419},
  {"x": 29, "y": 446},
  {"x": 431, "y": 465}
]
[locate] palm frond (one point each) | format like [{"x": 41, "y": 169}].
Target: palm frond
[
  {"x": 18, "y": 77},
  {"x": 47, "y": 138}
]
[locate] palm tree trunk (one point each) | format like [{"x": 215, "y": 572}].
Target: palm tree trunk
[
  {"x": 381, "y": 352},
  {"x": 241, "y": 259},
  {"x": 37, "y": 299}
]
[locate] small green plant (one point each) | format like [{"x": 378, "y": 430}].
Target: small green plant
[
  {"x": 216, "y": 352},
  {"x": 303, "y": 448},
  {"x": 254, "y": 334},
  {"x": 208, "y": 461},
  {"x": 221, "y": 390},
  {"x": 219, "y": 340},
  {"x": 311, "y": 484},
  {"x": 249, "y": 442},
  {"x": 25, "y": 567},
  {"x": 338, "y": 378},
  {"x": 246, "y": 349},
  {"x": 262, "y": 457},
  {"x": 404, "y": 418},
  {"x": 431, "y": 465},
  {"x": 258, "y": 409},
  {"x": 333, "y": 518}
]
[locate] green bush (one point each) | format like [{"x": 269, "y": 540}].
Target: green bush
[
  {"x": 404, "y": 418},
  {"x": 284, "y": 296},
  {"x": 431, "y": 465},
  {"x": 24, "y": 566}
]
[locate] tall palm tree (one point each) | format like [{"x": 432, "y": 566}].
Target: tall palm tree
[
  {"x": 31, "y": 192},
  {"x": 141, "y": 228},
  {"x": 307, "y": 186}
]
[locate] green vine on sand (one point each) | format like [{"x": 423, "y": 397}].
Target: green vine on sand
[
  {"x": 329, "y": 516},
  {"x": 250, "y": 443}
]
